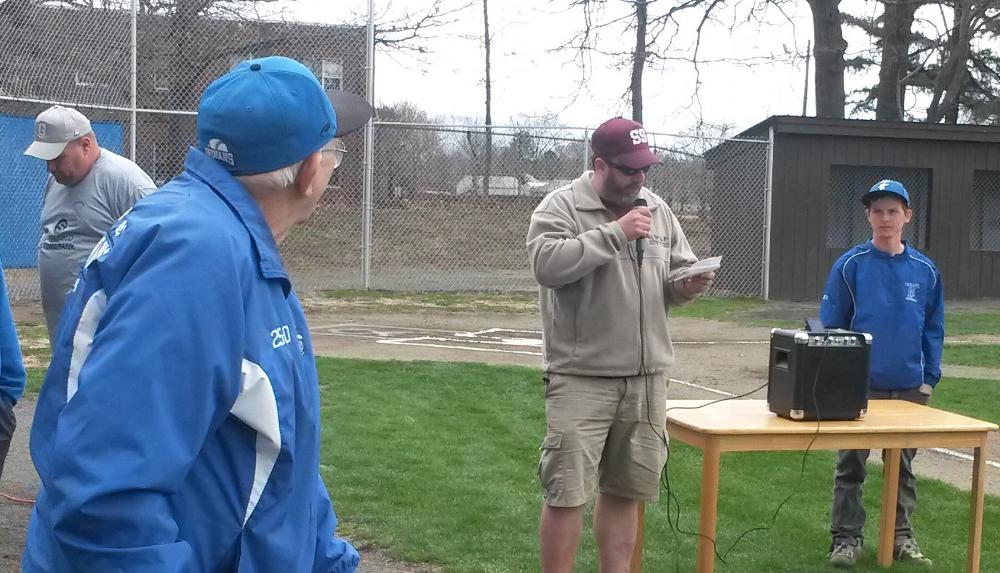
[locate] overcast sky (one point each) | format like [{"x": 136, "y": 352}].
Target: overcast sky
[{"x": 531, "y": 77}]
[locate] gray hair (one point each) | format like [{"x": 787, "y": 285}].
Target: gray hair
[{"x": 280, "y": 178}]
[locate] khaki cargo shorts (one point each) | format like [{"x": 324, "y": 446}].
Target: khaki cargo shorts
[{"x": 601, "y": 433}]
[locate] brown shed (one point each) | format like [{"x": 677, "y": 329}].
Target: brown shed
[{"x": 819, "y": 168}]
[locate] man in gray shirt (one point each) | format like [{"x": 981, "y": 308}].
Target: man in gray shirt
[{"x": 88, "y": 189}]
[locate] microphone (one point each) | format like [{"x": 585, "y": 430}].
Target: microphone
[{"x": 640, "y": 243}]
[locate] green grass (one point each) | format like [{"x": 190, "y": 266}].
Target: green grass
[
  {"x": 720, "y": 308},
  {"x": 34, "y": 382},
  {"x": 436, "y": 462},
  {"x": 743, "y": 310},
  {"x": 517, "y": 302},
  {"x": 961, "y": 322},
  {"x": 984, "y": 355},
  {"x": 968, "y": 396}
]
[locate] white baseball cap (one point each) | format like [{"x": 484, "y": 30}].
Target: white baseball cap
[{"x": 54, "y": 128}]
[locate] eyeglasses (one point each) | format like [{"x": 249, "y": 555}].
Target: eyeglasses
[
  {"x": 339, "y": 151},
  {"x": 627, "y": 170}
]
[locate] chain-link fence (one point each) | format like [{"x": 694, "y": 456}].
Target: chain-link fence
[
  {"x": 984, "y": 228},
  {"x": 450, "y": 207},
  {"x": 445, "y": 207}
]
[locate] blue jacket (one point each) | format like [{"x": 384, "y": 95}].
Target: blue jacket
[
  {"x": 11, "y": 363},
  {"x": 899, "y": 300},
  {"x": 178, "y": 428}
]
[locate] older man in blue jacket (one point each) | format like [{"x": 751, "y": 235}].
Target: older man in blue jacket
[
  {"x": 12, "y": 376},
  {"x": 178, "y": 428},
  {"x": 894, "y": 292}
]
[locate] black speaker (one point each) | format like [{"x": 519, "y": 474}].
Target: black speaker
[{"x": 818, "y": 375}]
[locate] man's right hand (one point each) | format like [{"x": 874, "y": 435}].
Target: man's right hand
[{"x": 636, "y": 223}]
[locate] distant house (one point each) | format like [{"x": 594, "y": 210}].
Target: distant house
[
  {"x": 534, "y": 187},
  {"x": 499, "y": 185}
]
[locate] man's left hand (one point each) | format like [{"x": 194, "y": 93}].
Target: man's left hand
[
  {"x": 698, "y": 284},
  {"x": 926, "y": 389}
]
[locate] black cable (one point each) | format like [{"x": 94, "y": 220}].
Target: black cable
[
  {"x": 802, "y": 469},
  {"x": 674, "y": 523}
]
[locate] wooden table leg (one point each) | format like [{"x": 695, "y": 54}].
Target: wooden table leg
[
  {"x": 636, "y": 566},
  {"x": 976, "y": 508},
  {"x": 711, "y": 460},
  {"x": 890, "y": 491}
]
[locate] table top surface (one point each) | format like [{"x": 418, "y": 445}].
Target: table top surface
[{"x": 753, "y": 417}]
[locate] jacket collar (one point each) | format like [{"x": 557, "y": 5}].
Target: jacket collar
[
  {"x": 876, "y": 251},
  {"x": 586, "y": 198},
  {"x": 247, "y": 211}
]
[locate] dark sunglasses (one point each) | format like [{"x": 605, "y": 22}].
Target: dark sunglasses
[{"x": 627, "y": 170}]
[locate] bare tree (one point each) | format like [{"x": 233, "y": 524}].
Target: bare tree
[
  {"x": 968, "y": 15},
  {"x": 408, "y": 32},
  {"x": 829, "y": 49},
  {"x": 955, "y": 65},
  {"x": 896, "y": 37},
  {"x": 639, "y": 59},
  {"x": 657, "y": 35}
]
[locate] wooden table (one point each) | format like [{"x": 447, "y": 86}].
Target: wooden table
[{"x": 748, "y": 426}]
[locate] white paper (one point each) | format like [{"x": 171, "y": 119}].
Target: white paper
[{"x": 702, "y": 266}]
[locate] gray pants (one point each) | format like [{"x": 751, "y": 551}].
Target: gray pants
[
  {"x": 7, "y": 425},
  {"x": 847, "y": 517}
]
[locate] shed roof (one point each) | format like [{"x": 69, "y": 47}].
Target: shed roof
[{"x": 788, "y": 124}]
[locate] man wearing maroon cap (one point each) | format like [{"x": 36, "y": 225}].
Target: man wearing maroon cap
[{"x": 608, "y": 255}]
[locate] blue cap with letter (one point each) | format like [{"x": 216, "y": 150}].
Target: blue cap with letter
[
  {"x": 271, "y": 112},
  {"x": 886, "y": 188}
]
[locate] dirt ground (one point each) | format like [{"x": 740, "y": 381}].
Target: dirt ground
[{"x": 712, "y": 359}]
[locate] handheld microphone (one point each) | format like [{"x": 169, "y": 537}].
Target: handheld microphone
[{"x": 640, "y": 243}]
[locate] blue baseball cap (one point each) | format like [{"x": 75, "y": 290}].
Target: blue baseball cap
[
  {"x": 268, "y": 113},
  {"x": 886, "y": 188}
]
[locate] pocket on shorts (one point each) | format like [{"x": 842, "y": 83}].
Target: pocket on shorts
[{"x": 549, "y": 474}]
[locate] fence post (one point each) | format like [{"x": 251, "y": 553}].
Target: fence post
[
  {"x": 135, "y": 72},
  {"x": 586, "y": 149},
  {"x": 366, "y": 203},
  {"x": 766, "y": 267}
]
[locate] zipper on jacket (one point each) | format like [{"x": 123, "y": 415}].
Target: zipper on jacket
[{"x": 642, "y": 322}]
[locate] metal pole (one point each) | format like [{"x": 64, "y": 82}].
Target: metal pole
[
  {"x": 366, "y": 204},
  {"x": 805, "y": 89},
  {"x": 135, "y": 103},
  {"x": 766, "y": 279},
  {"x": 586, "y": 149}
]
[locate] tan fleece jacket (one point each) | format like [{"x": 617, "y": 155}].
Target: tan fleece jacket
[{"x": 589, "y": 292}]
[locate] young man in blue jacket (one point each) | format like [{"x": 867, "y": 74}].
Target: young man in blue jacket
[
  {"x": 892, "y": 291},
  {"x": 178, "y": 428}
]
